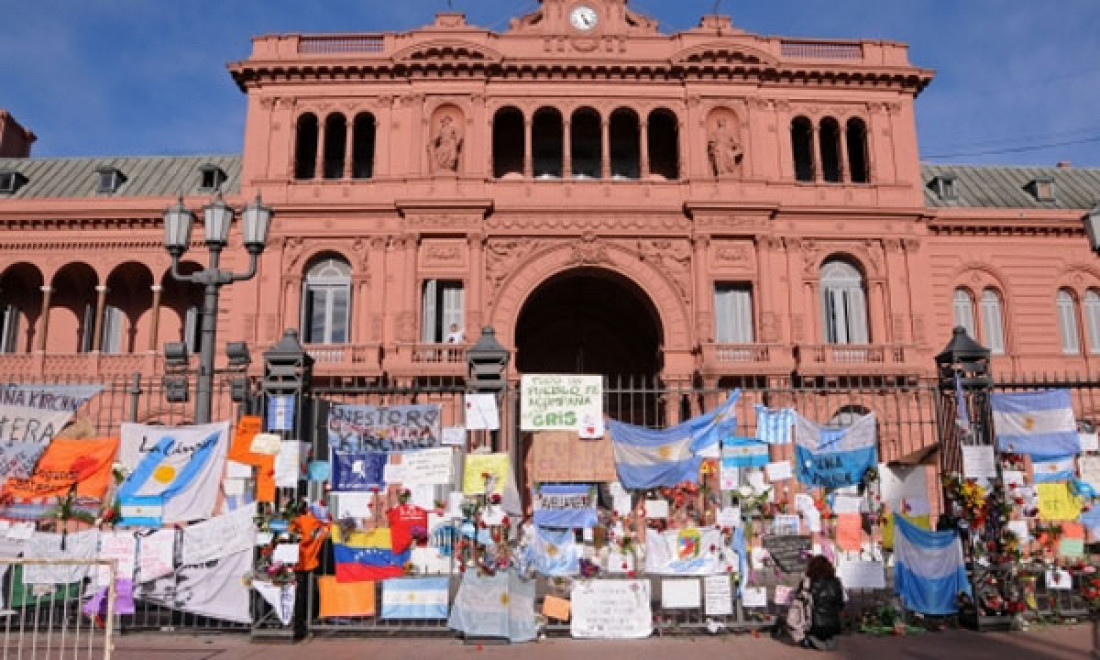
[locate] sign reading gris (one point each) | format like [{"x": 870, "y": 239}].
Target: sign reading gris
[{"x": 355, "y": 428}]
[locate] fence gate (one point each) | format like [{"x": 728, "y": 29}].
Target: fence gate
[{"x": 44, "y": 615}]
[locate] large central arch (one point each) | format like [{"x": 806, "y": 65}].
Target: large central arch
[{"x": 589, "y": 320}]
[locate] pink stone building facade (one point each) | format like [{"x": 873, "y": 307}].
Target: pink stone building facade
[{"x": 707, "y": 207}]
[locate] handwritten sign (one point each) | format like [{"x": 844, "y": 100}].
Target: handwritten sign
[
  {"x": 564, "y": 457},
  {"x": 719, "y": 595},
  {"x": 680, "y": 594},
  {"x": 611, "y": 609},
  {"x": 1057, "y": 503},
  {"x": 790, "y": 553},
  {"x": 778, "y": 471},
  {"x": 754, "y": 597},
  {"x": 1090, "y": 470},
  {"x": 565, "y": 402},
  {"x": 431, "y": 466},
  {"x": 496, "y": 466},
  {"x": 979, "y": 462},
  {"x": 857, "y": 574},
  {"x": 481, "y": 412},
  {"x": 356, "y": 428}
]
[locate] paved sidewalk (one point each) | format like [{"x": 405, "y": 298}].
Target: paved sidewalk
[{"x": 1048, "y": 643}]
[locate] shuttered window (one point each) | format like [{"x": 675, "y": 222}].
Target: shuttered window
[{"x": 733, "y": 320}]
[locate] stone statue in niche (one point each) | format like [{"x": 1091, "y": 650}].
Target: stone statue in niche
[
  {"x": 446, "y": 145},
  {"x": 723, "y": 149}
]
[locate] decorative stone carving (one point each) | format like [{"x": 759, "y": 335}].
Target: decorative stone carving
[
  {"x": 502, "y": 256},
  {"x": 673, "y": 258},
  {"x": 446, "y": 145},
  {"x": 589, "y": 251},
  {"x": 733, "y": 255},
  {"x": 724, "y": 150}
]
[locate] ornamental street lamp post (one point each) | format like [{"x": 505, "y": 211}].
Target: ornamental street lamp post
[{"x": 217, "y": 219}]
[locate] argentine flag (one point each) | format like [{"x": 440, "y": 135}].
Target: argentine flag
[
  {"x": 1040, "y": 424},
  {"x": 415, "y": 598},
  {"x": 834, "y": 458},
  {"x": 1054, "y": 471},
  {"x": 648, "y": 458},
  {"x": 929, "y": 572},
  {"x": 500, "y": 605}
]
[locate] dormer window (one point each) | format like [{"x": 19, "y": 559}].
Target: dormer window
[
  {"x": 1042, "y": 189},
  {"x": 211, "y": 178},
  {"x": 944, "y": 185},
  {"x": 110, "y": 178},
  {"x": 11, "y": 181}
]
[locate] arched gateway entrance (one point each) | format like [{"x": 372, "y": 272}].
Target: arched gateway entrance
[{"x": 591, "y": 321}]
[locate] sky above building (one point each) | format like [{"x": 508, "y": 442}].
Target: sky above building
[{"x": 1016, "y": 82}]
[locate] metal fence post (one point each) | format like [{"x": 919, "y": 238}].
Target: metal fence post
[{"x": 135, "y": 396}]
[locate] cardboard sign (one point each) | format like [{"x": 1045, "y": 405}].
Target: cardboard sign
[
  {"x": 496, "y": 466},
  {"x": 1057, "y": 503},
  {"x": 680, "y": 594},
  {"x": 562, "y": 402},
  {"x": 790, "y": 553},
  {"x": 556, "y": 608},
  {"x": 564, "y": 457},
  {"x": 611, "y": 609}
]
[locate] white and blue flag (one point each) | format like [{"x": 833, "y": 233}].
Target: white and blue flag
[
  {"x": 744, "y": 453},
  {"x": 774, "y": 426},
  {"x": 553, "y": 552},
  {"x": 415, "y": 598},
  {"x": 1040, "y": 424},
  {"x": 829, "y": 457},
  {"x": 1056, "y": 470},
  {"x": 500, "y": 605},
  {"x": 649, "y": 458},
  {"x": 929, "y": 571}
]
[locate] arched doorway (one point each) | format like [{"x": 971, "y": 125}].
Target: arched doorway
[{"x": 592, "y": 321}]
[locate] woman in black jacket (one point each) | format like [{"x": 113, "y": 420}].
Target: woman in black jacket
[{"x": 813, "y": 620}]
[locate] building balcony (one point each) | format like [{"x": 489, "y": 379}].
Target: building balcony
[
  {"x": 427, "y": 360},
  {"x": 346, "y": 359},
  {"x": 85, "y": 366},
  {"x": 827, "y": 359},
  {"x": 737, "y": 359}
]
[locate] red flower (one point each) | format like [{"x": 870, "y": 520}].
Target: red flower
[{"x": 631, "y": 574}]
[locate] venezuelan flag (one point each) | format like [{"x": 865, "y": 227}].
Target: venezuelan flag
[{"x": 363, "y": 556}]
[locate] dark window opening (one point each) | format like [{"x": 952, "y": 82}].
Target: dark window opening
[
  {"x": 830, "y": 150},
  {"x": 336, "y": 141},
  {"x": 664, "y": 144},
  {"x": 625, "y": 145},
  {"x": 546, "y": 144},
  {"x": 211, "y": 178},
  {"x": 109, "y": 180},
  {"x": 508, "y": 141},
  {"x": 857, "y": 151},
  {"x": 305, "y": 152},
  {"x": 586, "y": 144},
  {"x": 362, "y": 151},
  {"x": 802, "y": 144},
  {"x": 9, "y": 181}
]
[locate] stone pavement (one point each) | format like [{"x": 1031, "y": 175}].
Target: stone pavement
[{"x": 1046, "y": 643}]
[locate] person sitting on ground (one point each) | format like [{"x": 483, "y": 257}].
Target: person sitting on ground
[{"x": 813, "y": 619}]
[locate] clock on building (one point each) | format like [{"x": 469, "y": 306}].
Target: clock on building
[{"x": 584, "y": 18}]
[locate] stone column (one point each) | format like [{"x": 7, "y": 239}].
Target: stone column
[
  {"x": 763, "y": 292},
  {"x": 154, "y": 325},
  {"x": 605, "y": 149},
  {"x": 819, "y": 165},
  {"x": 528, "y": 159},
  {"x": 845, "y": 171},
  {"x": 349, "y": 143},
  {"x": 474, "y": 302},
  {"x": 703, "y": 297},
  {"x": 643, "y": 148},
  {"x": 320, "y": 165},
  {"x": 97, "y": 324},
  {"x": 412, "y": 296},
  {"x": 567, "y": 150},
  {"x": 44, "y": 322}
]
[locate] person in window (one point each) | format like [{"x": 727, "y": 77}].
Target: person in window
[
  {"x": 455, "y": 336},
  {"x": 813, "y": 620}
]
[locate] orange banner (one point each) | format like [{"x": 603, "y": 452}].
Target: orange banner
[
  {"x": 241, "y": 451},
  {"x": 849, "y": 532},
  {"x": 68, "y": 462},
  {"x": 345, "y": 598}
]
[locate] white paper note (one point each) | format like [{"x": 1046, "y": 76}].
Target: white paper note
[
  {"x": 779, "y": 471},
  {"x": 268, "y": 444},
  {"x": 719, "y": 595},
  {"x": 286, "y": 553},
  {"x": 454, "y": 436},
  {"x": 680, "y": 594},
  {"x": 754, "y": 597},
  {"x": 353, "y": 505},
  {"x": 288, "y": 464},
  {"x": 729, "y": 516},
  {"x": 656, "y": 509},
  {"x": 482, "y": 413},
  {"x": 979, "y": 462}
]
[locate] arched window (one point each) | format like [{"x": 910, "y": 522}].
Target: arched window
[
  {"x": 857, "y": 151},
  {"x": 336, "y": 144},
  {"x": 508, "y": 139},
  {"x": 964, "y": 312},
  {"x": 1092, "y": 319},
  {"x": 664, "y": 144},
  {"x": 830, "y": 150},
  {"x": 993, "y": 321},
  {"x": 305, "y": 151},
  {"x": 802, "y": 146},
  {"x": 625, "y": 145},
  {"x": 586, "y": 145},
  {"x": 847, "y": 415},
  {"x": 843, "y": 304},
  {"x": 1067, "y": 323},
  {"x": 326, "y": 302},
  {"x": 547, "y": 146},
  {"x": 362, "y": 147}
]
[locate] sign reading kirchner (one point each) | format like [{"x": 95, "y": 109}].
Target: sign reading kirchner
[
  {"x": 552, "y": 402},
  {"x": 384, "y": 429}
]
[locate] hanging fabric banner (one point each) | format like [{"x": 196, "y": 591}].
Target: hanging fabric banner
[
  {"x": 834, "y": 458},
  {"x": 214, "y": 589},
  {"x": 774, "y": 426},
  {"x": 744, "y": 453},
  {"x": 358, "y": 472},
  {"x": 280, "y": 597},
  {"x": 384, "y": 429},
  {"x": 1040, "y": 424},
  {"x": 67, "y": 464},
  {"x": 30, "y": 417},
  {"x": 363, "y": 556},
  {"x": 687, "y": 551},
  {"x": 562, "y": 402},
  {"x": 221, "y": 536},
  {"x": 1055, "y": 470},
  {"x": 495, "y": 606},
  {"x": 929, "y": 570},
  {"x": 415, "y": 598},
  {"x": 175, "y": 473},
  {"x": 570, "y": 506},
  {"x": 553, "y": 552}
]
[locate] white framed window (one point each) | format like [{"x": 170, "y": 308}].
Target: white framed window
[
  {"x": 993, "y": 321},
  {"x": 326, "y": 302},
  {"x": 443, "y": 310},
  {"x": 964, "y": 312},
  {"x": 1091, "y": 311},
  {"x": 843, "y": 304},
  {"x": 733, "y": 320},
  {"x": 113, "y": 326},
  {"x": 1067, "y": 323},
  {"x": 9, "y": 328}
]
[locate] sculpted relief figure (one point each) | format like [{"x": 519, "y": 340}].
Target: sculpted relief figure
[
  {"x": 446, "y": 145},
  {"x": 723, "y": 149}
]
